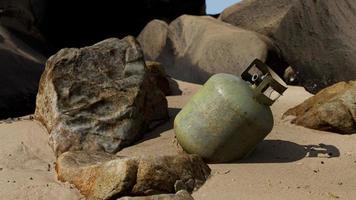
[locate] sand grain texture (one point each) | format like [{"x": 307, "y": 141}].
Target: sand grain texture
[{"x": 292, "y": 163}]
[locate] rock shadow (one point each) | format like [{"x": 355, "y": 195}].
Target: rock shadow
[
  {"x": 161, "y": 128},
  {"x": 280, "y": 151}
]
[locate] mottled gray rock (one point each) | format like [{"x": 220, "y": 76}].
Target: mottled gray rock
[
  {"x": 103, "y": 176},
  {"x": 332, "y": 109},
  {"x": 193, "y": 48},
  {"x": 317, "y": 38},
  {"x": 98, "y": 97},
  {"x": 181, "y": 195}
]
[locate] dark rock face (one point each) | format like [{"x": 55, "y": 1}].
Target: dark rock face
[
  {"x": 98, "y": 97},
  {"x": 102, "y": 176},
  {"x": 193, "y": 48},
  {"x": 21, "y": 67},
  {"x": 332, "y": 109},
  {"x": 317, "y": 38},
  {"x": 159, "y": 77},
  {"x": 83, "y": 22}
]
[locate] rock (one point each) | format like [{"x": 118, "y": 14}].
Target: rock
[
  {"x": 154, "y": 41},
  {"x": 194, "y": 48},
  {"x": 290, "y": 76},
  {"x": 98, "y": 97},
  {"x": 22, "y": 59},
  {"x": 263, "y": 17},
  {"x": 181, "y": 195},
  {"x": 91, "y": 21},
  {"x": 158, "y": 76},
  {"x": 21, "y": 67},
  {"x": 103, "y": 176},
  {"x": 332, "y": 109},
  {"x": 22, "y": 18},
  {"x": 316, "y": 38}
]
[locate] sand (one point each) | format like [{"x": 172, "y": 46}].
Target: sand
[{"x": 292, "y": 163}]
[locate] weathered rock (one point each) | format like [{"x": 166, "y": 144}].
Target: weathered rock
[
  {"x": 317, "y": 38},
  {"x": 332, "y": 109},
  {"x": 21, "y": 67},
  {"x": 180, "y": 195},
  {"x": 154, "y": 40},
  {"x": 193, "y": 48},
  {"x": 98, "y": 97},
  {"x": 263, "y": 17},
  {"x": 103, "y": 176},
  {"x": 158, "y": 76}
]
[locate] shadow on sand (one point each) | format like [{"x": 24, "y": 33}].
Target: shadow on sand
[
  {"x": 268, "y": 151},
  {"x": 161, "y": 128},
  {"x": 280, "y": 151}
]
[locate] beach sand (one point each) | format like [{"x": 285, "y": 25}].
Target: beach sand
[{"x": 291, "y": 163}]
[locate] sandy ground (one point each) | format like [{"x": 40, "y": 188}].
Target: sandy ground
[
  {"x": 27, "y": 164},
  {"x": 292, "y": 163}
]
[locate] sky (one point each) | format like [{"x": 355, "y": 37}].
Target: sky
[{"x": 216, "y": 6}]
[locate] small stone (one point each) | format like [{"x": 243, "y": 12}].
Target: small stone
[
  {"x": 179, "y": 185},
  {"x": 1, "y": 168},
  {"x": 322, "y": 162},
  {"x": 191, "y": 183},
  {"x": 31, "y": 178},
  {"x": 333, "y": 195},
  {"x": 340, "y": 183}
]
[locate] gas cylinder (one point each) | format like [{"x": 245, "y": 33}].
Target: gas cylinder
[{"x": 229, "y": 115}]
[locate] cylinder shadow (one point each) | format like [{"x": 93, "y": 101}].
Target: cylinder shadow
[{"x": 280, "y": 151}]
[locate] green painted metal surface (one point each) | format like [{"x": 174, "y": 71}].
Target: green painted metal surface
[{"x": 223, "y": 121}]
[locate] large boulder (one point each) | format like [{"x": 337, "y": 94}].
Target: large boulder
[
  {"x": 316, "y": 38},
  {"x": 332, "y": 109},
  {"x": 98, "y": 97},
  {"x": 263, "y": 17},
  {"x": 21, "y": 67},
  {"x": 194, "y": 48},
  {"x": 103, "y": 176}
]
